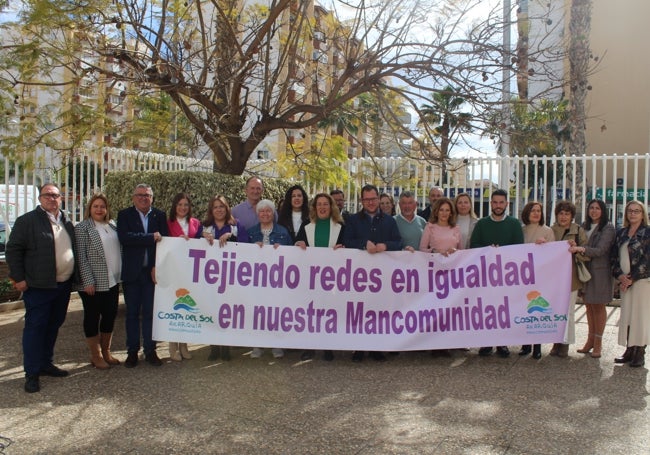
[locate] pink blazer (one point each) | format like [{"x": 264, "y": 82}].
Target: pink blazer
[{"x": 175, "y": 229}]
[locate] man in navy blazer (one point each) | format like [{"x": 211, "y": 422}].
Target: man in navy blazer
[{"x": 139, "y": 228}]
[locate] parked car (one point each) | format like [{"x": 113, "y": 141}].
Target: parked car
[{"x": 3, "y": 240}]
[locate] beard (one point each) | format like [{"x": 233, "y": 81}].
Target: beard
[{"x": 498, "y": 212}]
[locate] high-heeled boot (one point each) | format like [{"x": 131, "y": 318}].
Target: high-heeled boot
[
  {"x": 173, "y": 352},
  {"x": 105, "y": 339},
  {"x": 638, "y": 357},
  {"x": 555, "y": 349},
  {"x": 185, "y": 353},
  {"x": 96, "y": 358}
]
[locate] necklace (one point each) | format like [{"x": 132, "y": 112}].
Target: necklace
[{"x": 103, "y": 226}]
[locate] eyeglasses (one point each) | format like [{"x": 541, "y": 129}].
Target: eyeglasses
[
  {"x": 143, "y": 195},
  {"x": 635, "y": 211},
  {"x": 50, "y": 195}
]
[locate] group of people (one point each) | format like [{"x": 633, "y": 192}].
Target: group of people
[{"x": 48, "y": 258}]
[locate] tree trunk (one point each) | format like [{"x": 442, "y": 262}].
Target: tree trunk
[{"x": 579, "y": 55}]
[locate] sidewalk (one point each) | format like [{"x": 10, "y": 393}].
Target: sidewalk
[{"x": 411, "y": 404}]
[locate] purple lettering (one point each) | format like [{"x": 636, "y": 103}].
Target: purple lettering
[{"x": 197, "y": 255}]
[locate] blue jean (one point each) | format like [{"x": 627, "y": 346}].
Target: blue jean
[
  {"x": 138, "y": 297},
  {"x": 45, "y": 311}
]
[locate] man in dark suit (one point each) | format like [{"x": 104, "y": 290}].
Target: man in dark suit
[
  {"x": 139, "y": 228},
  {"x": 371, "y": 230}
]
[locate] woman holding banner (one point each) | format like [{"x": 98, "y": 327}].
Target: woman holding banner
[
  {"x": 565, "y": 229},
  {"x": 324, "y": 229},
  {"x": 221, "y": 226},
  {"x": 441, "y": 234},
  {"x": 631, "y": 266},
  {"x": 535, "y": 231},
  {"x": 597, "y": 292},
  {"x": 268, "y": 232},
  {"x": 181, "y": 224}
]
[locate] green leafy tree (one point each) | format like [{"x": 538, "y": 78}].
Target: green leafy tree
[{"x": 537, "y": 131}]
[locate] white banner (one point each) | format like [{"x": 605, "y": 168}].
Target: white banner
[{"x": 320, "y": 298}]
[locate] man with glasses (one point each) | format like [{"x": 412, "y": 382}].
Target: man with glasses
[
  {"x": 139, "y": 228},
  {"x": 371, "y": 230},
  {"x": 339, "y": 199},
  {"x": 40, "y": 255}
]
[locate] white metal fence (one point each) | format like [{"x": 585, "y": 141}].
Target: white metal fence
[{"x": 614, "y": 179}]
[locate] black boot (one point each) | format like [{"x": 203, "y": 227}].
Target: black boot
[
  {"x": 626, "y": 357},
  {"x": 214, "y": 353},
  {"x": 537, "y": 351},
  {"x": 225, "y": 353},
  {"x": 638, "y": 357}
]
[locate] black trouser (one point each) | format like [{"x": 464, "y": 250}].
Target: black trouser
[{"x": 100, "y": 311}]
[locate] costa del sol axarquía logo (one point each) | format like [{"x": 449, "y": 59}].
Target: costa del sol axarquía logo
[
  {"x": 184, "y": 301},
  {"x": 537, "y": 303}
]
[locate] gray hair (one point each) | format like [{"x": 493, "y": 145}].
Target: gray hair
[
  {"x": 142, "y": 185},
  {"x": 264, "y": 204}
]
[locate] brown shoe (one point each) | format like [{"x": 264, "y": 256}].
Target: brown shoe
[
  {"x": 563, "y": 351},
  {"x": 555, "y": 349}
]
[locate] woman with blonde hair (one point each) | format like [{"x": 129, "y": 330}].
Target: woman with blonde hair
[
  {"x": 631, "y": 267},
  {"x": 324, "y": 229},
  {"x": 466, "y": 218},
  {"x": 100, "y": 266}
]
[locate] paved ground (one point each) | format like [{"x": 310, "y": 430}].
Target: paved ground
[{"x": 411, "y": 404}]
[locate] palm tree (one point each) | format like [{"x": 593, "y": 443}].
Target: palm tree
[{"x": 444, "y": 124}]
